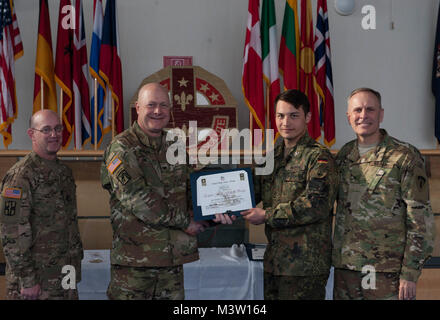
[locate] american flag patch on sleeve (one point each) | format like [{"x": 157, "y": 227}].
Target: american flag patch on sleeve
[
  {"x": 114, "y": 164},
  {"x": 12, "y": 193}
]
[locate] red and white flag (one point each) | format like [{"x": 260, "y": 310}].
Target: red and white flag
[
  {"x": 81, "y": 95},
  {"x": 63, "y": 72},
  {"x": 17, "y": 44},
  {"x": 307, "y": 67},
  {"x": 324, "y": 78},
  {"x": 252, "y": 73}
]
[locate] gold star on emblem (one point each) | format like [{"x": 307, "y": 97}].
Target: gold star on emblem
[
  {"x": 213, "y": 97},
  {"x": 204, "y": 87},
  {"x": 183, "y": 82}
]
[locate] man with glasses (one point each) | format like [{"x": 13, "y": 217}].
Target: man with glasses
[
  {"x": 153, "y": 232},
  {"x": 38, "y": 218}
]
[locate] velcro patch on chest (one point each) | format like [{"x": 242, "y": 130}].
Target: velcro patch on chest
[
  {"x": 12, "y": 193},
  {"x": 10, "y": 207},
  {"x": 123, "y": 177},
  {"x": 114, "y": 164}
]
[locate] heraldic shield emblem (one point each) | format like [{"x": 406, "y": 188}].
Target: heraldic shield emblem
[{"x": 196, "y": 95}]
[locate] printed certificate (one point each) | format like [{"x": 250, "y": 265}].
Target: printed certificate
[{"x": 226, "y": 191}]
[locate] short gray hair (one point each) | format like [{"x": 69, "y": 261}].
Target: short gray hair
[{"x": 365, "y": 89}]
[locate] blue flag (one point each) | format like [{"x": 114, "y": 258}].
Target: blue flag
[{"x": 436, "y": 78}]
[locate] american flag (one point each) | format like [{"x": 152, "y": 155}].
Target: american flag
[
  {"x": 8, "y": 103},
  {"x": 81, "y": 80},
  {"x": 12, "y": 193},
  {"x": 17, "y": 43}
]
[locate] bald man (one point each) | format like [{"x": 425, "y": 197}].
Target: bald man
[
  {"x": 38, "y": 218},
  {"x": 153, "y": 232}
]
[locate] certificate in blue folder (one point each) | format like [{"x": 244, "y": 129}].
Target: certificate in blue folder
[{"x": 223, "y": 191}]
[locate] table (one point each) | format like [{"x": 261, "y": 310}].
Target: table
[{"x": 217, "y": 275}]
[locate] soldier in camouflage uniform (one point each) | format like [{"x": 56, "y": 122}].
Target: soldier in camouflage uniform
[
  {"x": 298, "y": 198},
  {"x": 38, "y": 218},
  {"x": 384, "y": 221},
  {"x": 153, "y": 233}
]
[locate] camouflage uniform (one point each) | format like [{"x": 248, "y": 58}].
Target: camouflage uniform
[
  {"x": 384, "y": 218},
  {"x": 39, "y": 227},
  {"x": 148, "y": 200},
  {"x": 298, "y": 198}
]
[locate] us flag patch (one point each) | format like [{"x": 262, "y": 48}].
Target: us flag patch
[
  {"x": 114, "y": 164},
  {"x": 12, "y": 193}
]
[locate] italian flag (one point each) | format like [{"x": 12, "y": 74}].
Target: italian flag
[
  {"x": 270, "y": 58},
  {"x": 289, "y": 46}
]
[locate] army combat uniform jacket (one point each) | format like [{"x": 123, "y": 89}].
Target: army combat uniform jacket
[
  {"x": 298, "y": 198},
  {"x": 38, "y": 223},
  {"x": 384, "y": 217},
  {"x": 148, "y": 200}
]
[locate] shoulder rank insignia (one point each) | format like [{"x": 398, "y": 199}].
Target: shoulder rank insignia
[
  {"x": 12, "y": 193},
  {"x": 114, "y": 164}
]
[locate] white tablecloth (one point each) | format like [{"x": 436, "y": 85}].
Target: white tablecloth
[{"x": 217, "y": 275}]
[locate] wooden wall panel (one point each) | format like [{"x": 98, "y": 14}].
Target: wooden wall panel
[
  {"x": 2, "y": 288},
  {"x": 428, "y": 286},
  {"x": 433, "y": 166},
  {"x": 92, "y": 199},
  {"x": 96, "y": 234},
  {"x": 436, "y": 252},
  {"x": 5, "y": 164},
  {"x": 434, "y": 194},
  {"x": 256, "y": 233}
]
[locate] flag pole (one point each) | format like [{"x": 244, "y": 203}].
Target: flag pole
[
  {"x": 61, "y": 105},
  {"x": 42, "y": 92},
  {"x": 95, "y": 123},
  {"x": 113, "y": 118},
  {"x": 269, "y": 125},
  {"x": 251, "y": 129}
]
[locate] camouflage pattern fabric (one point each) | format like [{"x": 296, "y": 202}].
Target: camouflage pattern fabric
[
  {"x": 348, "y": 286},
  {"x": 294, "y": 288},
  {"x": 39, "y": 226},
  {"x": 144, "y": 283},
  {"x": 298, "y": 198},
  {"x": 148, "y": 200},
  {"x": 384, "y": 217}
]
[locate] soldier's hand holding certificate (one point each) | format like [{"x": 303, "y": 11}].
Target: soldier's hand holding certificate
[{"x": 226, "y": 191}]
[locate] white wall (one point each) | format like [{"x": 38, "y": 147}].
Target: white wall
[{"x": 396, "y": 62}]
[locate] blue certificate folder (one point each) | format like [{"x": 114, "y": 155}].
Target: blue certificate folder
[{"x": 198, "y": 214}]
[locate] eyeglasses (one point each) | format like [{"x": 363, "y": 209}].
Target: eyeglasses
[{"x": 48, "y": 130}]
